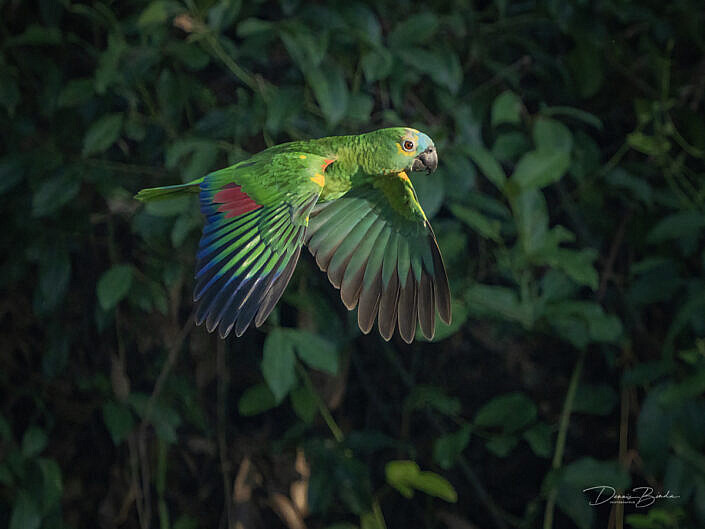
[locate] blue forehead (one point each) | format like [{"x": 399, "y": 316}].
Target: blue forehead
[{"x": 424, "y": 142}]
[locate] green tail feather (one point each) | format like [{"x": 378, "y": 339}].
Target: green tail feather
[{"x": 165, "y": 192}]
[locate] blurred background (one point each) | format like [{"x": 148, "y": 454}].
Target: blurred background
[{"x": 569, "y": 205}]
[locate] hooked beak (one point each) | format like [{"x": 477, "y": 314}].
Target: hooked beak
[{"x": 427, "y": 160}]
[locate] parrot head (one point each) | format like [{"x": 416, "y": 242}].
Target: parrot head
[{"x": 406, "y": 149}]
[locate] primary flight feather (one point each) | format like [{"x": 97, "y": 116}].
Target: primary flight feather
[{"x": 349, "y": 199}]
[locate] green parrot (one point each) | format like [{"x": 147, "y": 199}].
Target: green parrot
[{"x": 349, "y": 199}]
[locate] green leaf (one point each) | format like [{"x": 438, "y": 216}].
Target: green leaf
[
  {"x": 36, "y": 35},
  {"x": 253, "y": 26},
  {"x": 506, "y": 108},
  {"x": 223, "y": 13},
  {"x": 424, "y": 395},
  {"x": 572, "y": 112},
  {"x": 502, "y": 445},
  {"x": 443, "y": 66},
  {"x": 34, "y": 442},
  {"x": 598, "y": 326},
  {"x": 363, "y": 23},
  {"x": 656, "y": 518},
  {"x": 509, "y": 412},
  {"x": 118, "y": 420},
  {"x": 376, "y": 64},
  {"x": 279, "y": 363},
  {"x": 75, "y": 92},
  {"x": 54, "y": 275},
  {"x": 537, "y": 169},
  {"x": 502, "y": 302},
  {"x": 677, "y": 225},
  {"x": 165, "y": 421},
  {"x": 25, "y": 512},
  {"x": 448, "y": 447},
  {"x": 509, "y": 145},
  {"x": 169, "y": 208},
  {"x": 539, "y": 439},
  {"x": 306, "y": 48},
  {"x": 192, "y": 157},
  {"x": 531, "y": 217},
  {"x": 360, "y": 107},
  {"x": 282, "y": 105},
  {"x": 52, "y": 483},
  {"x": 406, "y": 476},
  {"x": 687, "y": 389},
  {"x": 331, "y": 91},
  {"x": 552, "y": 135},
  {"x": 53, "y": 194},
  {"x": 483, "y": 225},
  {"x": 256, "y": 399},
  {"x": 369, "y": 520},
  {"x": 587, "y": 472},
  {"x": 102, "y": 134},
  {"x": 114, "y": 285},
  {"x": 157, "y": 13},
  {"x": 315, "y": 351},
  {"x": 430, "y": 193},
  {"x": 108, "y": 71},
  {"x": 576, "y": 506},
  {"x": 188, "y": 54},
  {"x": 580, "y": 475},
  {"x": 416, "y": 29},
  {"x": 578, "y": 265},
  {"x": 304, "y": 404},
  {"x": 488, "y": 166},
  {"x": 650, "y": 145},
  {"x": 184, "y": 225},
  {"x": 639, "y": 188}
]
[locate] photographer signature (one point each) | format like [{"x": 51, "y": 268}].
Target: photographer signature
[{"x": 638, "y": 496}]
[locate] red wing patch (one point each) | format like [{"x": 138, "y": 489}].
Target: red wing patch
[
  {"x": 326, "y": 163},
  {"x": 234, "y": 201}
]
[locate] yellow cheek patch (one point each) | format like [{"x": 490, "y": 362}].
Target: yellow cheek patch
[
  {"x": 404, "y": 176},
  {"x": 414, "y": 136},
  {"x": 402, "y": 151},
  {"x": 319, "y": 179}
]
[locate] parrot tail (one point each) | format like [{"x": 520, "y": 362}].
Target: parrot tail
[{"x": 165, "y": 192}]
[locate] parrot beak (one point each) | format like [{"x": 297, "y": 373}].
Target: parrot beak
[{"x": 427, "y": 160}]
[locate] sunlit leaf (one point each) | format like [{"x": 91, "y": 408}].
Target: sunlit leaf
[{"x": 406, "y": 476}]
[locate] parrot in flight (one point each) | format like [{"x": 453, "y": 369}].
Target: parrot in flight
[{"x": 350, "y": 200}]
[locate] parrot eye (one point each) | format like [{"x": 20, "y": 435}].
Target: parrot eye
[{"x": 408, "y": 145}]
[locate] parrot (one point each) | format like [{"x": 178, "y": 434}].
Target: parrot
[{"x": 349, "y": 199}]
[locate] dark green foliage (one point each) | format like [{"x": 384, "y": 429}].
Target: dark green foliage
[{"x": 569, "y": 205}]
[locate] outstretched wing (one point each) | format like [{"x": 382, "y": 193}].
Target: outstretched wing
[
  {"x": 378, "y": 248},
  {"x": 256, "y": 217}
]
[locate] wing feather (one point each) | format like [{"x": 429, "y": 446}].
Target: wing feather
[
  {"x": 377, "y": 246},
  {"x": 256, "y": 223}
]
